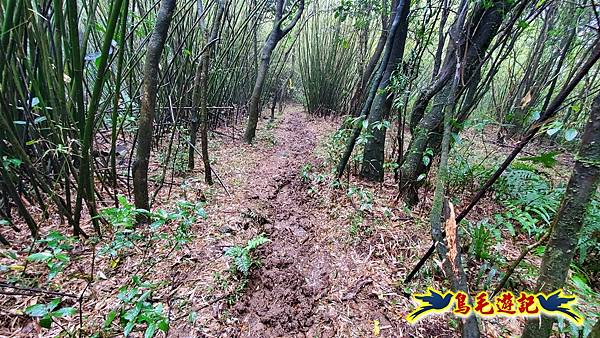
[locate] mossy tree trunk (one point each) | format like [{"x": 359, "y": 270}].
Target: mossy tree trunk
[
  {"x": 480, "y": 30},
  {"x": 449, "y": 250},
  {"x": 358, "y": 95},
  {"x": 373, "y": 86},
  {"x": 149, "y": 91},
  {"x": 569, "y": 219},
  {"x": 374, "y": 152}
]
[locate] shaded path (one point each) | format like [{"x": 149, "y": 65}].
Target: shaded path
[
  {"x": 283, "y": 295},
  {"x": 317, "y": 279}
]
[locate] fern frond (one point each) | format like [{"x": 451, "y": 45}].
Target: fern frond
[{"x": 256, "y": 242}]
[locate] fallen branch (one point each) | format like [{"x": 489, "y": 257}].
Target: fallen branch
[
  {"x": 514, "y": 265},
  {"x": 34, "y": 290}
]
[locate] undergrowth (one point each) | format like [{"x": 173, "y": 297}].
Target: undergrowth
[
  {"x": 243, "y": 260},
  {"x": 136, "y": 310},
  {"x": 530, "y": 199}
]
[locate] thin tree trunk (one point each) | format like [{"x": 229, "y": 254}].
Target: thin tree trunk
[
  {"x": 569, "y": 219},
  {"x": 204, "y": 122},
  {"x": 450, "y": 252},
  {"x": 358, "y": 95},
  {"x": 277, "y": 33},
  {"x": 85, "y": 179},
  {"x": 200, "y": 118},
  {"x": 14, "y": 194},
  {"x": 115, "y": 113},
  {"x": 150, "y": 88},
  {"x": 437, "y": 61},
  {"x": 254, "y": 102}
]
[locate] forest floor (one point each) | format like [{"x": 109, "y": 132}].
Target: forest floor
[
  {"x": 315, "y": 279},
  {"x": 333, "y": 266}
]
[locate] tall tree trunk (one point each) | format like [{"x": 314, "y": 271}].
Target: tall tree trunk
[
  {"x": 450, "y": 252},
  {"x": 204, "y": 121},
  {"x": 366, "y": 108},
  {"x": 374, "y": 152},
  {"x": 149, "y": 90},
  {"x": 358, "y": 96},
  {"x": 200, "y": 98},
  {"x": 568, "y": 221},
  {"x": 117, "y": 99},
  {"x": 437, "y": 60},
  {"x": 538, "y": 75},
  {"x": 277, "y": 33},
  {"x": 479, "y": 31},
  {"x": 85, "y": 179}
]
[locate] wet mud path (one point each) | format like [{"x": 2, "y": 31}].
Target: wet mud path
[{"x": 284, "y": 294}]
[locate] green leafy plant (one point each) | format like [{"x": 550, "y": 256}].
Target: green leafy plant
[
  {"x": 548, "y": 160},
  {"x": 127, "y": 232},
  {"x": 357, "y": 228},
  {"x": 138, "y": 309},
  {"x": 335, "y": 144},
  {"x": 123, "y": 216},
  {"x": 177, "y": 162},
  {"x": 124, "y": 220},
  {"x": 56, "y": 254},
  {"x": 427, "y": 156},
  {"x": 483, "y": 236},
  {"x": 364, "y": 197},
  {"x": 184, "y": 216},
  {"x": 390, "y": 166},
  {"x": 49, "y": 312},
  {"x": 242, "y": 258},
  {"x": 529, "y": 197},
  {"x": 465, "y": 175},
  {"x": 556, "y": 126},
  {"x": 305, "y": 172}
]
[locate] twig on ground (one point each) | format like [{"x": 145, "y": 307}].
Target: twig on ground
[
  {"x": 514, "y": 265},
  {"x": 34, "y": 290}
]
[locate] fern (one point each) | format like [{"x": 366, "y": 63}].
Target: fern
[
  {"x": 256, "y": 242},
  {"x": 532, "y": 202},
  {"x": 463, "y": 174},
  {"x": 529, "y": 197},
  {"x": 242, "y": 256}
]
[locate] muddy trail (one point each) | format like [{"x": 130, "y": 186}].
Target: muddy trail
[
  {"x": 284, "y": 294},
  {"x": 330, "y": 269},
  {"x": 311, "y": 283},
  {"x": 314, "y": 280}
]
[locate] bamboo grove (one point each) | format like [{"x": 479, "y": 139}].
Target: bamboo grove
[
  {"x": 73, "y": 89},
  {"x": 105, "y": 98}
]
